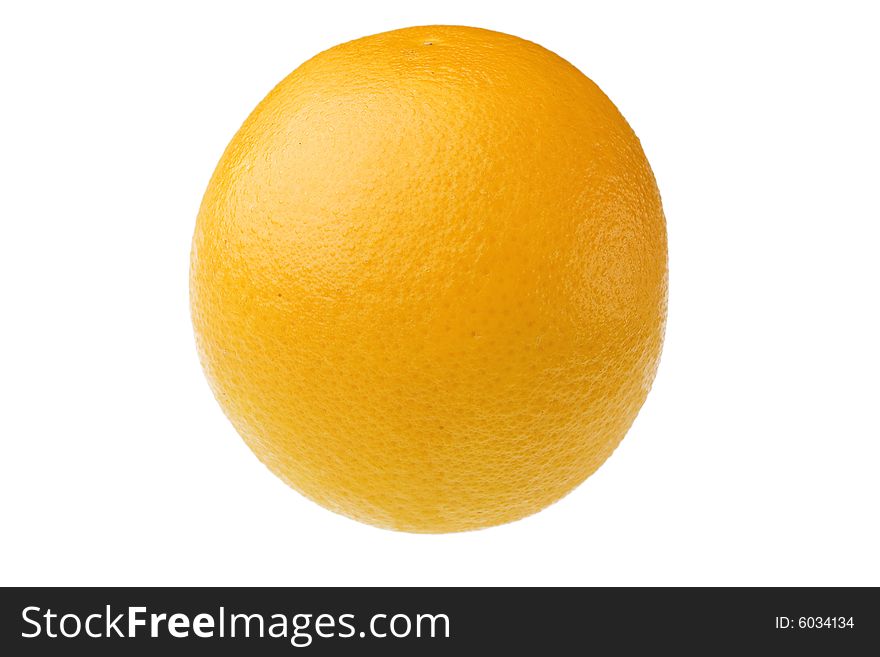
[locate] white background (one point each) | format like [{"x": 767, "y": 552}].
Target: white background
[{"x": 756, "y": 458}]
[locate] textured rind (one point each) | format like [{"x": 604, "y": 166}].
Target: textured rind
[{"x": 429, "y": 279}]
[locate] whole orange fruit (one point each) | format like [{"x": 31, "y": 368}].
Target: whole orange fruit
[{"x": 428, "y": 279}]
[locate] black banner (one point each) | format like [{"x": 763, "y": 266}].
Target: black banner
[{"x": 278, "y": 621}]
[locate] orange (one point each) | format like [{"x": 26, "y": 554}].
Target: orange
[{"x": 428, "y": 279}]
